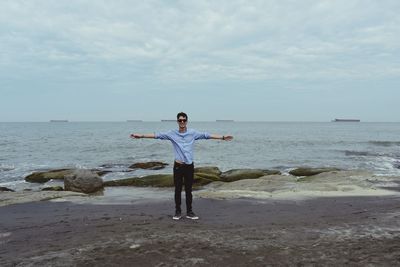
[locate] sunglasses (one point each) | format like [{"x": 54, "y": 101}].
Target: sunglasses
[{"x": 182, "y": 120}]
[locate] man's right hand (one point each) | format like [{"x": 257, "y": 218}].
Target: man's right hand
[{"x": 135, "y": 136}]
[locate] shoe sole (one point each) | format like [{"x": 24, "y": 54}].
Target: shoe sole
[
  {"x": 176, "y": 218},
  {"x": 192, "y": 218}
]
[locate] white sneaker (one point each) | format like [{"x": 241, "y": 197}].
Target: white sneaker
[
  {"x": 177, "y": 216},
  {"x": 191, "y": 215}
]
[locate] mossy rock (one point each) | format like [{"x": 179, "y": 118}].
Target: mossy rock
[
  {"x": 53, "y": 188},
  {"x": 208, "y": 170},
  {"x": 157, "y": 180},
  {"x": 207, "y": 176},
  {"x": 200, "y": 181},
  {"x": 152, "y": 165},
  {"x": 43, "y": 177},
  {"x": 271, "y": 172},
  {"x": 122, "y": 182},
  {"x": 241, "y": 174},
  {"x": 311, "y": 171}
]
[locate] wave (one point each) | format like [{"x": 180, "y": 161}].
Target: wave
[
  {"x": 385, "y": 143},
  {"x": 396, "y": 164},
  {"x": 391, "y": 155},
  {"x": 363, "y": 153}
]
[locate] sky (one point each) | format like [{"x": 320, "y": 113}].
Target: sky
[{"x": 272, "y": 60}]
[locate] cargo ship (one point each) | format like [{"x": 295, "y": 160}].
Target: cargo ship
[
  {"x": 58, "y": 120},
  {"x": 346, "y": 120}
]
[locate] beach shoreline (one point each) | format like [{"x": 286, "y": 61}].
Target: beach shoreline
[{"x": 320, "y": 231}]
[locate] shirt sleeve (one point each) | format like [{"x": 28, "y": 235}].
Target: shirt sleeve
[
  {"x": 201, "y": 135},
  {"x": 162, "y": 135}
]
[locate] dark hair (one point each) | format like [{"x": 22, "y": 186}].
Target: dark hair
[{"x": 181, "y": 114}]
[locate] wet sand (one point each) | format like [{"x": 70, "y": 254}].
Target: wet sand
[{"x": 353, "y": 231}]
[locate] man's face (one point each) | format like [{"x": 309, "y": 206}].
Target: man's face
[{"x": 182, "y": 121}]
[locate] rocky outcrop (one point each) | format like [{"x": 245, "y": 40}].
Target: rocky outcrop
[
  {"x": 5, "y": 189},
  {"x": 43, "y": 177},
  {"x": 207, "y": 176},
  {"x": 83, "y": 181},
  {"x": 58, "y": 174},
  {"x": 53, "y": 188},
  {"x": 271, "y": 172},
  {"x": 152, "y": 165},
  {"x": 208, "y": 170},
  {"x": 207, "y": 173},
  {"x": 157, "y": 180},
  {"x": 311, "y": 171},
  {"x": 241, "y": 174},
  {"x": 9, "y": 198}
]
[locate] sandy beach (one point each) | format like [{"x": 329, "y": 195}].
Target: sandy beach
[{"x": 334, "y": 231}]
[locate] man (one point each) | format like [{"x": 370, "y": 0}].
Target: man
[{"x": 183, "y": 142}]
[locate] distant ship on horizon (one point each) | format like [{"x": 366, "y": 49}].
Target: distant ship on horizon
[
  {"x": 346, "y": 120},
  {"x": 224, "y": 120},
  {"x": 58, "y": 120}
]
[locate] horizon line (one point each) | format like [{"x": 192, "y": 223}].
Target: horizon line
[{"x": 173, "y": 120}]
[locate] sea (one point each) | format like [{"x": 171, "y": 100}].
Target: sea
[{"x": 27, "y": 147}]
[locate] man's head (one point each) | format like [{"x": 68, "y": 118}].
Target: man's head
[
  {"x": 182, "y": 115},
  {"x": 182, "y": 119}
]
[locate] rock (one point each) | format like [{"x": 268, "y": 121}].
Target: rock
[
  {"x": 208, "y": 170},
  {"x": 152, "y": 165},
  {"x": 43, "y": 177},
  {"x": 9, "y": 198},
  {"x": 122, "y": 182},
  {"x": 53, "y": 188},
  {"x": 199, "y": 182},
  {"x": 5, "y": 189},
  {"x": 311, "y": 171},
  {"x": 158, "y": 180},
  {"x": 272, "y": 172},
  {"x": 83, "y": 181},
  {"x": 338, "y": 177},
  {"x": 207, "y": 176},
  {"x": 240, "y": 174}
]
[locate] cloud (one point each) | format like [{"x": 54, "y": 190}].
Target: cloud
[{"x": 199, "y": 40}]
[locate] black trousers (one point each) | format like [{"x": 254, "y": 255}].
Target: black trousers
[{"x": 183, "y": 174}]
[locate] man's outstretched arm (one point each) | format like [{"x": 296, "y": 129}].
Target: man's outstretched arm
[
  {"x": 221, "y": 137},
  {"x": 136, "y": 135}
]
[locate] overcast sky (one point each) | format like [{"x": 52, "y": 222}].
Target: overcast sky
[{"x": 243, "y": 60}]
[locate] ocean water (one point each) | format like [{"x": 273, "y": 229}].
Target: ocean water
[{"x": 29, "y": 147}]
